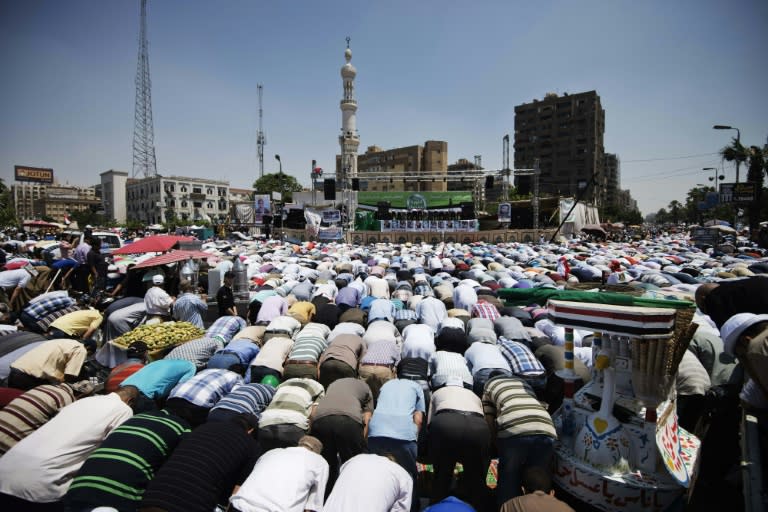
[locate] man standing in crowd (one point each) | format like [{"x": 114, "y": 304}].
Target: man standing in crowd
[
  {"x": 225, "y": 298},
  {"x": 189, "y": 307},
  {"x": 157, "y": 300}
]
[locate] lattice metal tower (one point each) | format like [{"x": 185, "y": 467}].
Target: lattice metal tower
[
  {"x": 144, "y": 162},
  {"x": 261, "y": 138}
]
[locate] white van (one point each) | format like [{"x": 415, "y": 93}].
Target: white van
[{"x": 109, "y": 241}]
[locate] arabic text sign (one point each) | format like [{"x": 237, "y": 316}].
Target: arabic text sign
[{"x": 738, "y": 192}]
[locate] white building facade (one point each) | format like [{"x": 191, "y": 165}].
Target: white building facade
[{"x": 160, "y": 199}]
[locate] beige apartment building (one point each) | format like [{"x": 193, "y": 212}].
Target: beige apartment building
[{"x": 411, "y": 168}]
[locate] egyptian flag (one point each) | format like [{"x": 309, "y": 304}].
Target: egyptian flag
[{"x": 563, "y": 268}]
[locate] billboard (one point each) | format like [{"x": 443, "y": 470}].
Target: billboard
[
  {"x": 738, "y": 192},
  {"x": 33, "y": 174},
  {"x": 261, "y": 207}
]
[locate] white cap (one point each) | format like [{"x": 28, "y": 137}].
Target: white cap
[
  {"x": 158, "y": 279},
  {"x": 735, "y": 327}
]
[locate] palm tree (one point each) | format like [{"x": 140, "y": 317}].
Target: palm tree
[{"x": 757, "y": 159}]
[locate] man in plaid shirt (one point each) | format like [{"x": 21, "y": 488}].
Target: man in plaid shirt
[
  {"x": 194, "y": 398},
  {"x": 198, "y": 351},
  {"x": 44, "y": 305},
  {"x": 226, "y": 327},
  {"x": 483, "y": 309}
]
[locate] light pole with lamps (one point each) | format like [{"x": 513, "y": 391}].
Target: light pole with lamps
[
  {"x": 715, "y": 177},
  {"x": 279, "y": 210},
  {"x": 738, "y": 143}
]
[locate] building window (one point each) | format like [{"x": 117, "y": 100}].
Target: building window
[
  {"x": 183, "y": 204},
  {"x": 197, "y": 204},
  {"x": 197, "y": 190}
]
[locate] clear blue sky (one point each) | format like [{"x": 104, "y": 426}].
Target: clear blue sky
[{"x": 427, "y": 70}]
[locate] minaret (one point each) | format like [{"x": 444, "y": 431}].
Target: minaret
[{"x": 349, "y": 139}]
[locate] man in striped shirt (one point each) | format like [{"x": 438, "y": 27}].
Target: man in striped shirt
[
  {"x": 117, "y": 473},
  {"x": 245, "y": 399},
  {"x": 523, "y": 430},
  {"x": 287, "y": 418},
  {"x": 307, "y": 348},
  {"x": 30, "y": 411}
]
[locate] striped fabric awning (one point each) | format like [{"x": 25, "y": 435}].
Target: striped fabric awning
[
  {"x": 628, "y": 320},
  {"x": 173, "y": 257}
]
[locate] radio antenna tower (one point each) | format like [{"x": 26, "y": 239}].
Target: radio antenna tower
[
  {"x": 261, "y": 138},
  {"x": 144, "y": 163}
]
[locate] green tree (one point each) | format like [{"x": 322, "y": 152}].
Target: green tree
[
  {"x": 7, "y": 211},
  {"x": 662, "y": 217},
  {"x": 277, "y": 182},
  {"x": 674, "y": 211}
]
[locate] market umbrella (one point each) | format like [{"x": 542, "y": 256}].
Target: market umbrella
[
  {"x": 173, "y": 257},
  {"x": 158, "y": 243}
]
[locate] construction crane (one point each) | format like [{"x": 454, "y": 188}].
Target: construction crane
[{"x": 261, "y": 138}]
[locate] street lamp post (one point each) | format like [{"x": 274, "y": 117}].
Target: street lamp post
[
  {"x": 738, "y": 143},
  {"x": 279, "y": 210}
]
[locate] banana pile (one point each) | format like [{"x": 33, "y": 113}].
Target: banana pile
[{"x": 158, "y": 336}]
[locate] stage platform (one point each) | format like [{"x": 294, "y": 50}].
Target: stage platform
[{"x": 432, "y": 237}]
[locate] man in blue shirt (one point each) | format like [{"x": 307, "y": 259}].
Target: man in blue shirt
[
  {"x": 156, "y": 380},
  {"x": 396, "y": 422}
]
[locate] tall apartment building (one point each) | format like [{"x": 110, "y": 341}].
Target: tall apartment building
[
  {"x": 34, "y": 200},
  {"x": 612, "y": 180},
  {"x": 411, "y": 168},
  {"x": 565, "y": 133},
  {"x": 164, "y": 199}
]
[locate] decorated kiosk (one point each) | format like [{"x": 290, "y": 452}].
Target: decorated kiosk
[{"x": 620, "y": 446}]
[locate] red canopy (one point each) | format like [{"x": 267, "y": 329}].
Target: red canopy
[
  {"x": 173, "y": 257},
  {"x": 157, "y": 243}
]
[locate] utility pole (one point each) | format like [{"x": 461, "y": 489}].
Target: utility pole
[
  {"x": 144, "y": 161},
  {"x": 261, "y": 139}
]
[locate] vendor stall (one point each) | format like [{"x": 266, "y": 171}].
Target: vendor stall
[{"x": 620, "y": 445}]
